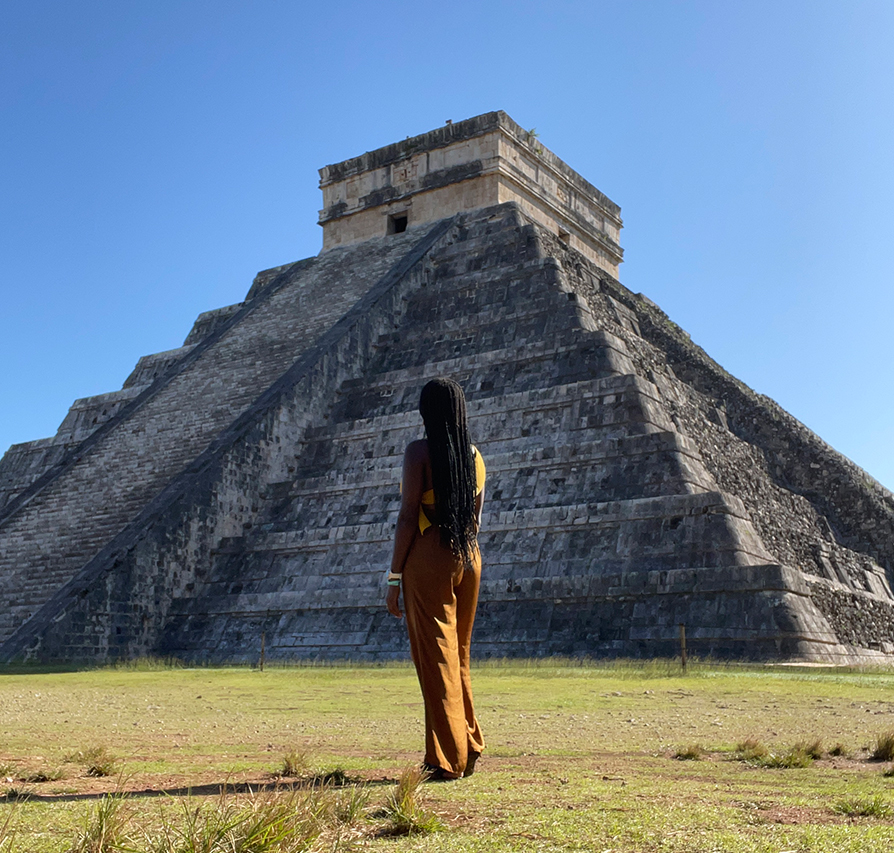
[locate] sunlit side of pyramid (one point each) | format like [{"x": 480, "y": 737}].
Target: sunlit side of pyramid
[{"x": 243, "y": 488}]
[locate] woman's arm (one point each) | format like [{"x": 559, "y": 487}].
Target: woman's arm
[{"x": 408, "y": 518}]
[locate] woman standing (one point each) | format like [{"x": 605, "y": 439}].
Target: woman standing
[{"x": 436, "y": 558}]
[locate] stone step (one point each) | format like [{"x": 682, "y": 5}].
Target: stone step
[
  {"x": 583, "y": 397},
  {"x": 518, "y": 476},
  {"x": 432, "y": 320},
  {"x": 439, "y": 341},
  {"x": 583, "y": 356},
  {"x": 478, "y": 249},
  {"x": 511, "y": 522},
  {"x": 507, "y": 456},
  {"x": 601, "y": 409},
  {"x": 509, "y": 284},
  {"x": 322, "y": 593}
]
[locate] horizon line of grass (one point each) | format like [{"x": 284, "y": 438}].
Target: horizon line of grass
[{"x": 656, "y": 667}]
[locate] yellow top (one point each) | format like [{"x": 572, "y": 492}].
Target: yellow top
[{"x": 428, "y": 498}]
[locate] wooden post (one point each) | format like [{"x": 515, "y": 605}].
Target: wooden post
[
  {"x": 683, "y": 646},
  {"x": 263, "y": 650}
]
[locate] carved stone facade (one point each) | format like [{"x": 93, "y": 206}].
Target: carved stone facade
[{"x": 245, "y": 485}]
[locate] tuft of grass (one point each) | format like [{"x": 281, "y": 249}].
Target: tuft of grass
[
  {"x": 272, "y": 822},
  {"x": 350, "y": 805},
  {"x": 7, "y": 832},
  {"x": 752, "y": 750},
  {"x": 884, "y": 747},
  {"x": 692, "y": 752},
  {"x": 334, "y": 778},
  {"x": 44, "y": 775},
  {"x": 105, "y": 827},
  {"x": 888, "y": 772},
  {"x": 876, "y": 806},
  {"x": 14, "y": 794},
  {"x": 97, "y": 761},
  {"x": 813, "y": 748},
  {"x": 403, "y": 810},
  {"x": 7, "y": 769},
  {"x": 793, "y": 757},
  {"x": 294, "y": 764},
  {"x": 838, "y": 750},
  {"x": 756, "y": 753}
]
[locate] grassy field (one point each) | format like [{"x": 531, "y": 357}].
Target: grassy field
[{"x": 623, "y": 758}]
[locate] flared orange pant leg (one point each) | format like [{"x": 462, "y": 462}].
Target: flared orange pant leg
[{"x": 440, "y": 610}]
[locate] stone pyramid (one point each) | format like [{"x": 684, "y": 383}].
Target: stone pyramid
[{"x": 241, "y": 491}]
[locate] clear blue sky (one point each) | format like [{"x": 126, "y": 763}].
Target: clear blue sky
[{"x": 155, "y": 155}]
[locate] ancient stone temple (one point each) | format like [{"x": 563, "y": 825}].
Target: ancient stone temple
[{"x": 244, "y": 486}]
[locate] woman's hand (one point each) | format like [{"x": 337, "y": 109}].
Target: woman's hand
[{"x": 392, "y": 601}]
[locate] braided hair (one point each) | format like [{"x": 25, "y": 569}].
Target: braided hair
[{"x": 443, "y": 409}]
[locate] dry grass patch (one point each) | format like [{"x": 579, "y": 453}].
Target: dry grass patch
[
  {"x": 97, "y": 761},
  {"x": 294, "y": 764},
  {"x": 884, "y": 747},
  {"x": 404, "y": 811},
  {"x": 752, "y": 750},
  {"x": 692, "y": 752}
]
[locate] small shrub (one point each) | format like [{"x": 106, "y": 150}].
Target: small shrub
[
  {"x": 876, "y": 806},
  {"x": 403, "y": 811},
  {"x": 884, "y": 747},
  {"x": 751, "y": 749},
  {"x": 693, "y": 752},
  {"x": 294, "y": 763}
]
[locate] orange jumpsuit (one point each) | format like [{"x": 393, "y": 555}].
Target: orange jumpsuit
[{"x": 440, "y": 599}]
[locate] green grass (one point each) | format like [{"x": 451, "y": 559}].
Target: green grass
[
  {"x": 875, "y": 806},
  {"x": 580, "y": 756}
]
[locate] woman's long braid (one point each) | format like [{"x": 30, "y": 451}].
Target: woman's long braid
[{"x": 443, "y": 409}]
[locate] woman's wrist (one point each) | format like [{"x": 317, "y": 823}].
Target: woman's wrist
[{"x": 394, "y": 578}]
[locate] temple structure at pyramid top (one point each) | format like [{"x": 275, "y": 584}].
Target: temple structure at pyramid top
[{"x": 476, "y": 163}]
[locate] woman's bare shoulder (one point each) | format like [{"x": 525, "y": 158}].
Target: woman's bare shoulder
[{"x": 417, "y": 451}]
